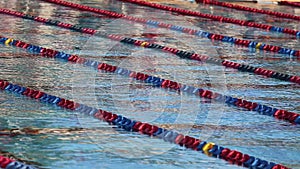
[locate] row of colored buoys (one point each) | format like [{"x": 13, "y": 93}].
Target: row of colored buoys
[
  {"x": 156, "y": 81},
  {"x": 7, "y": 163},
  {"x": 181, "y": 53},
  {"x": 208, "y": 148},
  {"x": 249, "y": 9},
  {"x": 215, "y": 17}
]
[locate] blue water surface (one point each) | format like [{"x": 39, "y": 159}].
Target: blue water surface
[{"x": 71, "y": 140}]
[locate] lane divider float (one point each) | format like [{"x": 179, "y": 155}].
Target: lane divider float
[
  {"x": 287, "y": 3},
  {"x": 208, "y": 148},
  {"x": 213, "y": 17},
  {"x": 291, "y": 117},
  {"x": 200, "y": 33},
  {"x": 180, "y": 53},
  {"x": 7, "y": 163},
  {"x": 249, "y": 9}
]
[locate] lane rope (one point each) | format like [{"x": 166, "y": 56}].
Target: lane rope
[
  {"x": 287, "y": 3},
  {"x": 7, "y": 163},
  {"x": 212, "y": 17},
  {"x": 208, "y": 148},
  {"x": 249, "y": 9},
  {"x": 212, "y": 36},
  {"x": 180, "y": 53},
  {"x": 291, "y": 117}
]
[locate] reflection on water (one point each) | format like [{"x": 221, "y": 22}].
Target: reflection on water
[{"x": 53, "y": 144}]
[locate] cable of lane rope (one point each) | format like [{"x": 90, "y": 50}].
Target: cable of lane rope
[
  {"x": 180, "y": 53},
  {"x": 244, "y": 8},
  {"x": 7, "y": 163},
  {"x": 158, "y": 82},
  {"x": 249, "y": 9},
  {"x": 213, "y": 17},
  {"x": 287, "y": 3},
  {"x": 208, "y": 148},
  {"x": 212, "y": 36}
]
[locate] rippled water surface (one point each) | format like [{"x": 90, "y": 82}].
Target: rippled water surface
[{"x": 72, "y": 140}]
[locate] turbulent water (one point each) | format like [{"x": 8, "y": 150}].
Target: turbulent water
[{"x": 64, "y": 139}]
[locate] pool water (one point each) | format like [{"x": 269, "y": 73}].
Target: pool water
[{"x": 71, "y": 140}]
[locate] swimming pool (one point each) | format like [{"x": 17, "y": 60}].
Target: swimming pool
[{"x": 98, "y": 145}]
